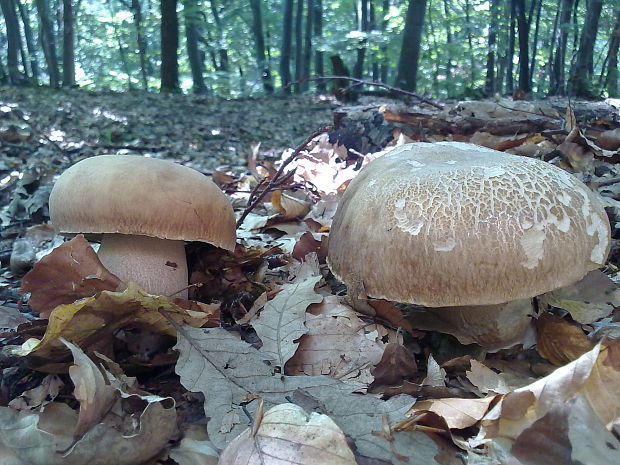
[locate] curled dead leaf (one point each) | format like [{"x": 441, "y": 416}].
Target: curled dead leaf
[
  {"x": 70, "y": 272},
  {"x": 288, "y": 435},
  {"x": 290, "y": 207},
  {"x": 559, "y": 340}
]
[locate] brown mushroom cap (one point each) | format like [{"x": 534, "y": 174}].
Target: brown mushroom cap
[
  {"x": 141, "y": 196},
  {"x": 449, "y": 224}
]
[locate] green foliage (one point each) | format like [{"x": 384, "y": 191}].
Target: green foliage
[{"x": 107, "y": 52}]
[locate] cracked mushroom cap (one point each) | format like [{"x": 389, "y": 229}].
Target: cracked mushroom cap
[
  {"x": 450, "y": 223},
  {"x": 141, "y": 196}
]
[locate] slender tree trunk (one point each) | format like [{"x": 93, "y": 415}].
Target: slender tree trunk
[
  {"x": 319, "y": 69},
  {"x": 581, "y": 71},
  {"x": 538, "y": 7},
  {"x": 511, "y": 50},
  {"x": 136, "y": 11},
  {"x": 362, "y": 26},
  {"x": 410, "y": 50},
  {"x": 169, "y": 46},
  {"x": 30, "y": 43},
  {"x": 612, "y": 59},
  {"x": 557, "y": 77},
  {"x": 13, "y": 40},
  {"x": 222, "y": 53},
  {"x": 472, "y": 58},
  {"x": 191, "y": 16},
  {"x": 447, "y": 9},
  {"x": 259, "y": 43},
  {"x": 285, "y": 53},
  {"x": 524, "y": 57},
  {"x": 385, "y": 64},
  {"x": 308, "y": 42},
  {"x": 68, "y": 44},
  {"x": 299, "y": 44},
  {"x": 489, "y": 82},
  {"x": 373, "y": 27},
  {"x": 431, "y": 30},
  {"x": 48, "y": 42}
]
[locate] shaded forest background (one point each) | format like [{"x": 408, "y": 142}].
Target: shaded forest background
[{"x": 443, "y": 48}]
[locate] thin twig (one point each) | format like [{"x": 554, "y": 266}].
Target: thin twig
[
  {"x": 277, "y": 177},
  {"x": 378, "y": 84}
]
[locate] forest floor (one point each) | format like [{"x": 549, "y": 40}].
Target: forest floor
[{"x": 403, "y": 385}]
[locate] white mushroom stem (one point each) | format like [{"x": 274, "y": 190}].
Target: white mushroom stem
[{"x": 159, "y": 266}]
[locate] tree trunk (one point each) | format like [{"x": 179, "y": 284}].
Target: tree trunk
[
  {"x": 299, "y": 44},
  {"x": 362, "y": 26},
  {"x": 32, "y": 51},
  {"x": 410, "y": 50},
  {"x": 68, "y": 43},
  {"x": 524, "y": 57},
  {"x": 222, "y": 53},
  {"x": 13, "y": 40},
  {"x": 308, "y": 42},
  {"x": 557, "y": 76},
  {"x": 191, "y": 16},
  {"x": 489, "y": 82},
  {"x": 285, "y": 52},
  {"x": 48, "y": 42},
  {"x": 538, "y": 7},
  {"x": 259, "y": 43},
  {"x": 612, "y": 59},
  {"x": 447, "y": 8},
  {"x": 511, "y": 50},
  {"x": 581, "y": 71},
  {"x": 472, "y": 59},
  {"x": 169, "y": 46},
  {"x": 136, "y": 10},
  {"x": 319, "y": 69},
  {"x": 385, "y": 64}
]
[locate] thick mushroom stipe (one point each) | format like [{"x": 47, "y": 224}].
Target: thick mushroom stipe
[
  {"x": 454, "y": 224},
  {"x": 157, "y": 265}
]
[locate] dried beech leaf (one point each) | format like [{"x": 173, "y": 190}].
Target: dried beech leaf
[
  {"x": 70, "y": 272},
  {"x": 229, "y": 371},
  {"x": 575, "y": 405},
  {"x": 337, "y": 344},
  {"x": 281, "y": 322},
  {"x": 289, "y": 206},
  {"x": 458, "y": 413},
  {"x": 590, "y": 299},
  {"x": 486, "y": 379},
  {"x": 11, "y": 317},
  {"x": 435, "y": 375},
  {"x": 128, "y": 433},
  {"x": 92, "y": 390},
  {"x": 39, "y": 396},
  {"x": 396, "y": 365},
  {"x": 92, "y": 323},
  {"x": 559, "y": 340},
  {"x": 609, "y": 140},
  {"x": 195, "y": 448},
  {"x": 288, "y": 435}
]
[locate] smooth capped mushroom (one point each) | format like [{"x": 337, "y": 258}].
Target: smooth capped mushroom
[
  {"x": 454, "y": 225},
  {"x": 145, "y": 208}
]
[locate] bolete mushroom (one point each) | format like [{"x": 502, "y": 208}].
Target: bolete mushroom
[
  {"x": 145, "y": 208},
  {"x": 457, "y": 225}
]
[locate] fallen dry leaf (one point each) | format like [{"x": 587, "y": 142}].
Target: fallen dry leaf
[
  {"x": 396, "y": 365},
  {"x": 70, "y": 272},
  {"x": 281, "y": 321},
  {"x": 128, "y": 432},
  {"x": 92, "y": 323},
  {"x": 337, "y": 344},
  {"x": 593, "y": 297},
  {"x": 486, "y": 380},
  {"x": 35, "y": 240},
  {"x": 573, "y": 409},
  {"x": 11, "y": 317},
  {"x": 195, "y": 448},
  {"x": 43, "y": 394},
  {"x": 229, "y": 371},
  {"x": 458, "y": 413},
  {"x": 288, "y": 435},
  {"x": 289, "y": 206},
  {"x": 559, "y": 340}
]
